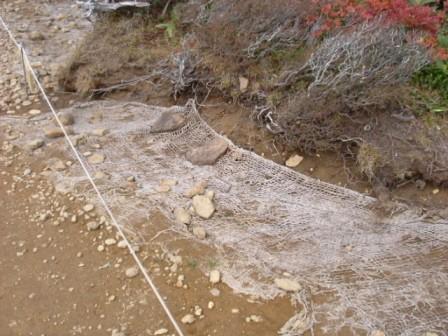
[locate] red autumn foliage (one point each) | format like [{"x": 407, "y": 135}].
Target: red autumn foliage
[{"x": 336, "y": 13}]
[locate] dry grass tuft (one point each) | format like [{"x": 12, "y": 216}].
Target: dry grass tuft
[{"x": 369, "y": 160}]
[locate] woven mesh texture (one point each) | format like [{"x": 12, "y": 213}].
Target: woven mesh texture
[{"x": 359, "y": 272}]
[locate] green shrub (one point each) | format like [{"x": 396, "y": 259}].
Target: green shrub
[{"x": 434, "y": 77}]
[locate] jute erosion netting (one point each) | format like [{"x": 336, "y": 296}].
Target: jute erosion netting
[{"x": 369, "y": 273}]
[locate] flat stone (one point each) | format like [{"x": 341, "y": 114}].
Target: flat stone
[
  {"x": 215, "y": 292},
  {"x": 209, "y": 153},
  {"x": 110, "y": 242},
  {"x": 182, "y": 216},
  {"x": 63, "y": 187},
  {"x": 66, "y": 119},
  {"x": 88, "y": 207},
  {"x": 188, "y": 319},
  {"x": 99, "y": 175},
  {"x": 34, "y": 112},
  {"x": 288, "y": 285},
  {"x": 244, "y": 84},
  {"x": 161, "y": 331},
  {"x": 132, "y": 272},
  {"x": 215, "y": 277},
  {"x": 92, "y": 226},
  {"x": 116, "y": 332},
  {"x": 197, "y": 189},
  {"x": 163, "y": 188},
  {"x": 169, "y": 121},
  {"x": 53, "y": 132},
  {"x": 294, "y": 161},
  {"x": 168, "y": 182},
  {"x": 255, "y": 318},
  {"x": 198, "y": 311},
  {"x": 78, "y": 139},
  {"x": 35, "y": 144},
  {"x": 99, "y": 132},
  {"x": 203, "y": 206},
  {"x": 96, "y": 158},
  {"x": 36, "y": 36},
  {"x": 56, "y": 164},
  {"x": 199, "y": 232}
]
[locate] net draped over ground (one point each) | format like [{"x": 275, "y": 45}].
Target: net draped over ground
[{"x": 369, "y": 273}]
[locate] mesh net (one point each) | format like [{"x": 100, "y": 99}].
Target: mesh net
[{"x": 359, "y": 273}]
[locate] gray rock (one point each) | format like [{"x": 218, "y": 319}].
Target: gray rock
[
  {"x": 34, "y": 112},
  {"x": 56, "y": 164},
  {"x": 132, "y": 272},
  {"x": 199, "y": 232},
  {"x": 92, "y": 226},
  {"x": 381, "y": 333},
  {"x": 163, "y": 188},
  {"x": 168, "y": 121},
  {"x": 168, "y": 182},
  {"x": 96, "y": 158},
  {"x": 63, "y": 188},
  {"x": 99, "y": 132},
  {"x": 88, "y": 207},
  {"x": 182, "y": 216},
  {"x": 203, "y": 206},
  {"x": 197, "y": 189},
  {"x": 209, "y": 153},
  {"x": 188, "y": 319},
  {"x": 294, "y": 161},
  {"x": 288, "y": 285},
  {"x": 53, "y": 132},
  {"x": 215, "y": 292},
  {"x": 117, "y": 332},
  {"x": 110, "y": 241},
  {"x": 244, "y": 84},
  {"x": 35, "y": 144},
  {"x": 66, "y": 119},
  {"x": 215, "y": 277},
  {"x": 36, "y": 36},
  {"x": 420, "y": 184}
]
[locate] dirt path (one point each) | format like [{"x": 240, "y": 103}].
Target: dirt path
[{"x": 54, "y": 279}]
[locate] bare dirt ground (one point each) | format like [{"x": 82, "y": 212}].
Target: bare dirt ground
[{"x": 59, "y": 278}]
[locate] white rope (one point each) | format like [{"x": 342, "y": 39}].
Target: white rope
[{"x": 103, "y": 201}]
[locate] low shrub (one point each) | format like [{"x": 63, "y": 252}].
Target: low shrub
[
  {"x": 330, "y": 15},
  {"x": 434, "y": 77}
]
